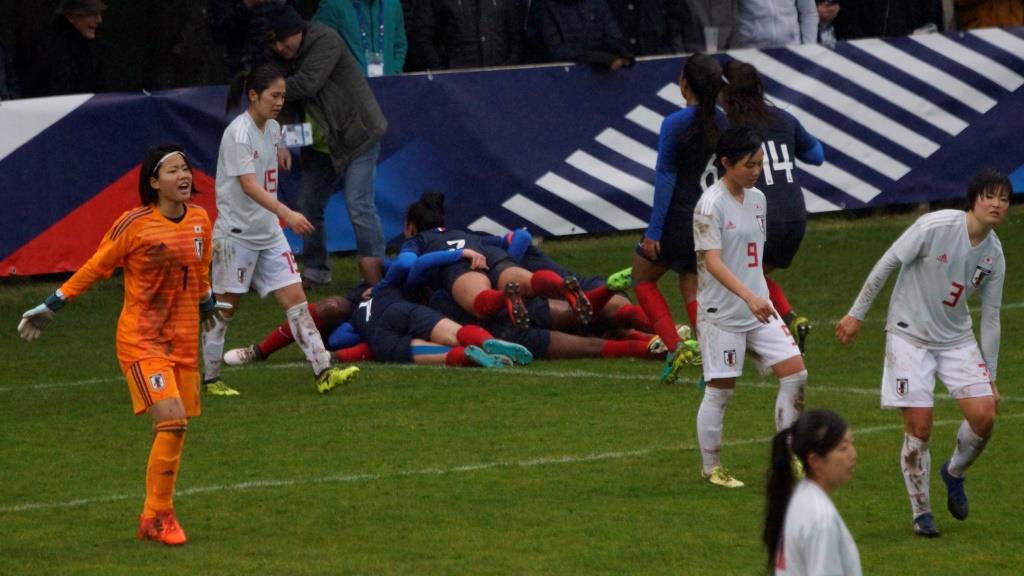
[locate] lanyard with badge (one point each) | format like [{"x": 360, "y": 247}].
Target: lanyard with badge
[{"x": 374, "y": 58}]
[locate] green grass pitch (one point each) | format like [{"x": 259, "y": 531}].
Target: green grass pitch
[{"x": 565, "y": 467}]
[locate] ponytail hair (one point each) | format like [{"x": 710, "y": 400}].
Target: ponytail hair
[
  {"x": 704, "y": 76},
  {"x": 257, "y": 79},
  {"x": 743, "y": 97},
  {"x": 815, "y": 432},
  {"x": 427, "y": 212}
]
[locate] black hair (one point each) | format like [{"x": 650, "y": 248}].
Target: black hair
[
  {"x": 737, "y": 143},
  {"x": 151, "y": 163},
  {"x": 987, "y": 181},
  {"x": 743, "y": 97},
  {"x": 427, "y": 212},
  {"x": 257, "y": 79},
  {"x": 814, "y": 432},
  {"x": 704, "y": 76}
]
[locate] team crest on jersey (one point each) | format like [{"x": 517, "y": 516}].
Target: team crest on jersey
[
  {"x": 198, "y": 243},
  {"x": 156, "y": 382},
  {"x": 730, "y": 357},
  {"x": 760, "y": 223},
  {"x": 902, "y": 385},
  {"x": 979, "y": 276}
]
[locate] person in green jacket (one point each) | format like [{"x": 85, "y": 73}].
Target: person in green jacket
[{"x": 373, "y": 29}]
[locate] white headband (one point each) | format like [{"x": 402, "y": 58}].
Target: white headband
[{"x": 164, "y": 159}]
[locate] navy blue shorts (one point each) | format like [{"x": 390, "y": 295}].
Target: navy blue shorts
[
  {"x": 784, "y": 239},
  {"x": 677, "y": 252},
  {"x": 396, "y": 328}
]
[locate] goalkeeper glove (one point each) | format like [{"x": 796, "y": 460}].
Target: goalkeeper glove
[
  {"x": 35, "y": 320},
  {"x": 210, "y": 311}
]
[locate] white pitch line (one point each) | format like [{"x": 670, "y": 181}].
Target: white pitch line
[{"x": 435, "y": 471}]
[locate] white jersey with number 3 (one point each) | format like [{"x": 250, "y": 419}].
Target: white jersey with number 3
[
  {"x": 939, "y": 270},
  {"x": 738, "y": 231},
  {"x": 244, "y": 149}
]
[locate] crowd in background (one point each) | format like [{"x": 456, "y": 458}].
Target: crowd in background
[{"x": 59, "y": 46}]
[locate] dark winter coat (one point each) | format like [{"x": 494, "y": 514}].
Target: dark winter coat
[
  {"x": 466, "y": 33},
  {"x": 62, "y": 61}
]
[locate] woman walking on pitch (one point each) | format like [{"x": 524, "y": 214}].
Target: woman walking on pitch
[
  {"x": 729, "y": 234},
  {"x": 685, "y": 168},
  {"x": 943, "y": 258},
  {"x": 164, "y": 248},
  {"x": 250, "y": 249},
  {"x": 803, "y": 531}
]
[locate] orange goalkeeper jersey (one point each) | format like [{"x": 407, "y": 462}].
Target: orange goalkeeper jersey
[{"x": 166, "y": 273}]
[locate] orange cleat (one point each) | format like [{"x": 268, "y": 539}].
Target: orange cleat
[{"x": 163, "y": 528}]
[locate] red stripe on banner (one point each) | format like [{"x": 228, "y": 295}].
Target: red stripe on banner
[{"x": 66, "y": 245}]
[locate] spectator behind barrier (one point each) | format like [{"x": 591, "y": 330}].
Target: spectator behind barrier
[
  {"x": 988, "y": 13},
  {"x": 580, "y": 31},
  {"x": 65, "y": 58},
  {"x": 707, "y": 17},
  {"x": 775, "y": 23},
  {"x": 374, "y": 31},
  {"x": 827, "y": 12},
  {"x": 880, "y": 18},
  {"x": 651, "y": 26},
  {"x": 447, "y": 34},
  {"x": 240, "y": 25}
]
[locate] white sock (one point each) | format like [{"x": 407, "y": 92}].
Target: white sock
[
  {"x": 789, "y": 404},
  {"x": 916, "y": 462},
  {"x": 709, "y": 425},
  {"x": 213, "y": 348},
  {"x": 968, "y": 447},
  {"x": 308, "y": 337}
]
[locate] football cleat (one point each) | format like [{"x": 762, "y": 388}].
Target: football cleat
[
  {"x": 217, "y": 387},
  {"x": 577, "y": 300},
  {"x": 799, "y": 328},
  {"x": 956, "y": 498},
  {"x": 656, "y": 347},
  {"x": 687, "y": 353},
  {"x": 335, "y": 376},
  {"x": 620, "y": 281},
  {"x": 720, "y": 477},
  {"x": 515, "y": 352},
  {"x": 516, "y": 307},
  {"x": 163, "y": 528},
  {"x": 242, "y": 356},
  {"x": 477, "y": 356},
  {"x": 924, "y": 525}
]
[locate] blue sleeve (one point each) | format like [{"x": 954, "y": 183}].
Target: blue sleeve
[
  {"x": 414, "y": 245},
  {"x": 672, "y": 130},
  {"x": 397, "y": 271},
  {"x": 518, "y": 241},
  {"x": 429, "y": 261},
  {"x": 344, "y": 336},
  {"x": 808, "y": 148}
]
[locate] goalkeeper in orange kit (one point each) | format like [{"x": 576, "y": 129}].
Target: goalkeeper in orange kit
[{"x": 164, "y": 247}]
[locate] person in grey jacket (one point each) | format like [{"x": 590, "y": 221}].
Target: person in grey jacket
[
  {"x": 775, "y": 23},
  {"x": 322, "y": 77}
]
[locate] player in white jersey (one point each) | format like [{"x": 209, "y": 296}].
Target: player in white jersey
[
  {"x": 249, "y": 248},
  {"x": 803, "y": 531},
  {"x": 735, "y": 313},
  {"x": 943, "y": 258}
]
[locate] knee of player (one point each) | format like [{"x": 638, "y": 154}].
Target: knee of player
[{"x": 171, "y": 425}]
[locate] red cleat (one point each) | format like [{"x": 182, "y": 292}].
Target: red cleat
[{"x": 163, "y": 528}]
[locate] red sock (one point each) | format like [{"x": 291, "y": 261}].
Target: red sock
[
  {"x": 470, "y": 335},
  {"x": 632, "y": 316},
  {"x": 282, "y": 335},
  {"x": 358, "y": 353},
  {"x": 547, "y": 284},
  {"x": 657, "y": 310},
  {"x": 778, "y": 297},
  {"x": 488, "y": 303},
  {"x": 638, "y": 335},
  {"x": 691, "y": 313},
  {"x": 599, "y": 297},
  {"x": 457, "y": 357},
  {"x": 625, "y": 349}
]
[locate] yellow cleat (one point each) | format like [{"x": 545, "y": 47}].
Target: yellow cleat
[
  {"x": 219, "y": 388},
  {"x": 719, "y": 477},
  {"x": 335, "y": 376}
]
